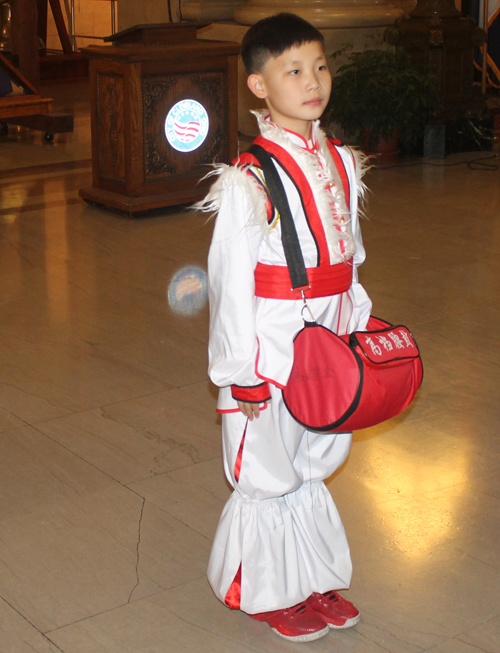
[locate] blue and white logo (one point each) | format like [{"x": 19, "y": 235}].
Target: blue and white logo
[{"x": 186, "y": 125}]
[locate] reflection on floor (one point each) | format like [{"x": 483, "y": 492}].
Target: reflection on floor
[{"x": 110, "y": 471}]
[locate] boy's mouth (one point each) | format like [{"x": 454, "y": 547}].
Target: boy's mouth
[{"x": 314, "y": 102}]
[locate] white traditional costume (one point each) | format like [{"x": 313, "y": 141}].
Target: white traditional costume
[{"x": 280, "y": 537}]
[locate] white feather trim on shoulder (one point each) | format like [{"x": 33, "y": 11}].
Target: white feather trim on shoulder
[
  {"x": 234, "y": 176},
  {"x": 361, "y": 166}
]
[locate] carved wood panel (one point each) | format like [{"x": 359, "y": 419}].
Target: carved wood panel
[{"x": 110, "y": 125}]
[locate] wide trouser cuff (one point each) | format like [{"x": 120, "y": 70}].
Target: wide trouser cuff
[{"x": 283, "y": 549}]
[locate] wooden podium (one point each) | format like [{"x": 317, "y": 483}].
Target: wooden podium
[{"x": 164, "y": 108}]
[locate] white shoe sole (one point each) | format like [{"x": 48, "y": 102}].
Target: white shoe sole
[
  {"x": 304, "y": 638},
  {"x": 348, "y": 624}
]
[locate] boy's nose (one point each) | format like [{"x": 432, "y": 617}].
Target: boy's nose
[{"x": 313, "y": 82}]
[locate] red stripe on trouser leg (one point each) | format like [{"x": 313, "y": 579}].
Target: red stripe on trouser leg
[
  {"x": 237, "y": 464},
  {"x": 233, "y": 595}
]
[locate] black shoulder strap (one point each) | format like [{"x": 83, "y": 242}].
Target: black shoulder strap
[
  {"x": 332, "y": 138},
  {"x": 289, "y": 238}
]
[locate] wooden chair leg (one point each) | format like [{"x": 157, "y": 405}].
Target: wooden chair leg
[
  {"x": 55, "y": 5},
  {"x": 42, "y": 20}
]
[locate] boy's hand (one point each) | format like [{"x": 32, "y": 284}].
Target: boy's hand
[{"x": 249, "y": 410}]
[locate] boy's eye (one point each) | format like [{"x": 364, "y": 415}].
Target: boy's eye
[
  {"x": 294, "y": 72},
  {"x": 322, "y": 67}
]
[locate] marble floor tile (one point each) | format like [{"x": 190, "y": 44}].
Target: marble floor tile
[
  {"x": 239, "y": 628},
  {"x": 420, "y": 252},
  {"x": 194, "y": 495},
  {"x": 423, "y": 198},
  {"x": 121, "y": 356},
  {"x": 19, "y": 636},
  {"x": 74, "y": 543},
  {"x": 28, "y": 197},
  {"x": 65, "y": 232},
  {"x": 26, "y": 406},
  {"x": 489, "y": 484},
  {"x": 9, "y": 421},
  {"x": 485, "y": 639},
  {"x": 70, "y": 379},
  {"x": 409, "y": 461},
  {"x": 412, "y": 582},
  {"x": 474, "y": 516},
  {"x": 457, "y": 378},
  {"x": 188, "y": 619},
  {"x": 74, "y": 315},
  {"x": 397, "y": 633},
  {"x": 143, "y": 437},
  {"x": 445, "y": 292},
  {"x": 470, "y": 330},
  {"x": 397, "y": 310}
]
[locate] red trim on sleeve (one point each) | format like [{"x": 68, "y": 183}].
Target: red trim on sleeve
[
  {"x": 245, "y": 159},
  {"x": 256, "y": 394}
]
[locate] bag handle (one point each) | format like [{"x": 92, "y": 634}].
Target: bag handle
[{"x": 289, "y": 237}]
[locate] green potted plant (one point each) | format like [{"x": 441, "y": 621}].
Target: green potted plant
[{"x": 378, "y": 96}]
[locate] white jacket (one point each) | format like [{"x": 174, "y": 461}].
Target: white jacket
[{"x": 251, "y": 338}]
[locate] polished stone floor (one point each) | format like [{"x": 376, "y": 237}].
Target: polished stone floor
[{"x": 111, "y": 482}]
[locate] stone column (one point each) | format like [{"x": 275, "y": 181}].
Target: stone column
[
  {"x": 210, "y": 9},
  {"x": 324, "y": 14},
  {"x": 25, "y": 38}
]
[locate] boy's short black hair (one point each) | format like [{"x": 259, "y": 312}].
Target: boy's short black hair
[{"x": 271, "y": 36}]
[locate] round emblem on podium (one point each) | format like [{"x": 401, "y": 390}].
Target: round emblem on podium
[{"x": 186, "y": 125}]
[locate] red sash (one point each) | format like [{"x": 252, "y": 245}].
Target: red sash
[{"x": 273, "y": 281}]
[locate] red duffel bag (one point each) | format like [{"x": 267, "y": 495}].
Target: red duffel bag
[{"x": 344, "y": 383}]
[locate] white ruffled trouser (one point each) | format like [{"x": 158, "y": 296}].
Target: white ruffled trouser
[{"x": 280, "y": 523}]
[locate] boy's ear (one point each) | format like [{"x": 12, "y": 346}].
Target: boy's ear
[{"x": 256, "y": 84}]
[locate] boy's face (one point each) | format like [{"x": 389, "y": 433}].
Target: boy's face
[{"x": 296, "y": 87}]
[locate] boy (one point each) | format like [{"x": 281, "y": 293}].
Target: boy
[{"x": 280, "y": 550}]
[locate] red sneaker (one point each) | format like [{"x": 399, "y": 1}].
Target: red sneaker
[
  {"x": 297, "y": 624},
  {"x": 336, "y": 611}
]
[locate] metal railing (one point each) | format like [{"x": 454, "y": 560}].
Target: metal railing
[{"x": 73, "y": 36}]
